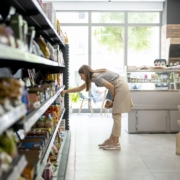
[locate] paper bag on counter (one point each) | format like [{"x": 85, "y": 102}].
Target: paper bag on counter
[{"x": 178, "y": 143}]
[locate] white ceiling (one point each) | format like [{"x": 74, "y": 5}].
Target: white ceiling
[
  {"x": 106, "y": 0},
  {"x": 113, "y": 5}
]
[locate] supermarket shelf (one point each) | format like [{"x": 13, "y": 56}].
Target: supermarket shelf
[
  {"x": 49, "y": 146},
  {"x": 11, "y": 117},
  {"x": 64, "y": 157},
  {"x": 31, "y": 119},
  {"x": 154, "y": 70},
  {"x": 35, "y": 16},
  {"x": 9, "y": 54},
  {"x": 16, "y": 168},
  {"x": 55, "y": 174}
]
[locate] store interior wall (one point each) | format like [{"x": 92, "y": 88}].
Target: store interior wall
[{"x": 168, "y": 21}]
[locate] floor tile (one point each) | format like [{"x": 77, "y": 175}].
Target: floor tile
[
  {"x": 114, "y": 176},
  {"x": 167, "y": 176},
  {"x": 161, "y": 164},
  {"x": 142, "y": 157}
]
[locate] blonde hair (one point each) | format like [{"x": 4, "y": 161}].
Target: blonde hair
[{"x": 88, "y": 72}]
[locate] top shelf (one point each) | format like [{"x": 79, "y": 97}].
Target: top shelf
[
  {"x": 35, "y": 16},
  {"x": 153, "y": 70},
  {"x": 9, "y": 55}
]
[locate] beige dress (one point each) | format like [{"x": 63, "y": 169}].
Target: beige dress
[{"x": 122, "y": 99}]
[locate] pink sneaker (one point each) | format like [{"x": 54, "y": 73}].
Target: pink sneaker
[
  {"x": 105, "y": 143},
  {"x": 112, "y": 146}
]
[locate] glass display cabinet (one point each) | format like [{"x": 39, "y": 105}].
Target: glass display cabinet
[{"x": 155, "y": 95}]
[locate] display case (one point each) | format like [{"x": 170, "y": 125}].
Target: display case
[
  {"x": 153, "y": 79},
  {"x": 155, "y": 98}
]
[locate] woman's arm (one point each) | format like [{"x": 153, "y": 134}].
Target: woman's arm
[
  {"x": 110, "y": 87},
  {"x": 73, "y": 90}
]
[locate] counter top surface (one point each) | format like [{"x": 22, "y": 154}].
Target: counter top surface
[{"x": 170, "y": 90}]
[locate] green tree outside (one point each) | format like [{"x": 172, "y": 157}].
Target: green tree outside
[{"x": 113, "y": 36}]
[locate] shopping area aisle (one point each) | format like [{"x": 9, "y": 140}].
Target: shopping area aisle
[{"x": 142, "y": 157}]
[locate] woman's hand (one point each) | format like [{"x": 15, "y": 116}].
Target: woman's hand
[
  {"x": 63, "y": 92},
  {"x": 109, "y": 104}
]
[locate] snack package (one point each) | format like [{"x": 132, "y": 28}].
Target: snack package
[
  {"x": 51, "y": 50},
  {"x": 48, "y": 172},
  {"x": 54, "y": 149},
  {"x": 36, "y": 49},
  {"x": 7, "y": 143},
  {"x": 5, "y": 161},
  {"x": 43, "y": 47}
]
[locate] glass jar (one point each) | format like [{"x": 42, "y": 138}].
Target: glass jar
[
  {"x": 41, "y": 122},
  {"x": 49, "y": 121}
]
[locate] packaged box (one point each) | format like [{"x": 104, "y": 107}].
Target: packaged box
[
  {"x": 50, "y": 12},
  {"x": 38, "y": 133},
  {"x": 38, "y": 137},
  {"x": 28, "y": 172},
  {"x": 31, "y": 152},
  {"x": 48, "y": 172},
  {"x": 43, "y": 89},
  {"x": 49, "y": 130},
  {"x": 35, "y": 161},
  {"x": 32, "y": 143},
  {"x": 62, "y": 125},
  {"x": 33, "y": 157}
]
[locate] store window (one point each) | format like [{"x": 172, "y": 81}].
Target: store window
[
  {"x": 107, "y": 17},
  {"x": 72, "y": 17},
  {"x": 107, "y": 49},
  {"x": 107, "y": 44},
  {"x": 143, "y": 45},
  {"x": 78, "y": 54},
  {"x": 143, "y": 17}
]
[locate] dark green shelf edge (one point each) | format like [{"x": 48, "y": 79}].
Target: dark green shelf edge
[{"x": 64, "y": 157}]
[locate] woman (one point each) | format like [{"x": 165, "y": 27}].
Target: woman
[{"x": 121, "y": 100}]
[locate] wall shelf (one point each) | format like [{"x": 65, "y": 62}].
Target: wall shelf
[
  {"x": 11, "y": 117},
  {"x": 14, "y": 57},
  {"x": 31, "y": 119},
  {"x": 154, "y": 70},
  {"x": 47, "y": 151}
]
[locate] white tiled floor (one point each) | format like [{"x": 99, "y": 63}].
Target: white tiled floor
[{"x": 142, "y": 157}]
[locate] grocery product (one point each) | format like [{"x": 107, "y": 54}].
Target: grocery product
[{"x": 7, "y": 143}]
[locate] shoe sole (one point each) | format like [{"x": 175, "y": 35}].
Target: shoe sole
[
  {"x": 114, "y": 148},
  {"x": 103, "y": 146}
]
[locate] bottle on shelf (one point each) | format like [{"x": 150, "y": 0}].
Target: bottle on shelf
[{"x": 65, "y": 38}]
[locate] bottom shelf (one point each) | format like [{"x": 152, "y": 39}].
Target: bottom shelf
[
  {"x": 63, "y": 157},
  {"x": 43, "y": 161}
]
